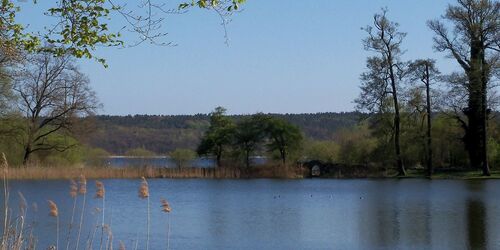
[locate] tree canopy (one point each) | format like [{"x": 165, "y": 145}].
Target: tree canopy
[{"x": 83, "y": 25}]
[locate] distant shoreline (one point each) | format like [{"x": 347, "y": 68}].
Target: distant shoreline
[{"x": 261, "y": 172}]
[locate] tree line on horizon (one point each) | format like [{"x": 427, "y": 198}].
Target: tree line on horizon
[{"x": 413, "y": 115}]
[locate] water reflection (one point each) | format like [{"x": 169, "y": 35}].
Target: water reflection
[
  {"x": 397, "y": 214},
  {"x": 476, "y": 224},
  {"x": 283, "y": 214},
  {"x": 476, "y": 216}
]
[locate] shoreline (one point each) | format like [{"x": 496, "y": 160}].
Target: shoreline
[
  {"x": 61, "y": 173},
  {"x": 262, "y": 172}
]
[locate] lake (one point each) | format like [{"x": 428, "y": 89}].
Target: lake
[{"x": 284, "y": 214}]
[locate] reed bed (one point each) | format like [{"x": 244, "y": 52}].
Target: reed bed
[
  {"x": 18, "y": 235},
  {"x": 47, "y": 173},
  {"x": 15, "y": 237}
]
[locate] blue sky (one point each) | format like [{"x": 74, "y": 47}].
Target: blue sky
[{"x": 300, "y": 56}]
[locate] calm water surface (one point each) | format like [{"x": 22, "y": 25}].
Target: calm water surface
[{"x": 286, "y": 214}]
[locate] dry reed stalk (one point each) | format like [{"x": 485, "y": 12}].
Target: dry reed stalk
[
  {"x": 144, "y": 194},
  {"x": 109, "y": 240},
  {"x": 50, "y": 172},
  {"x": 31, "y": 237},
  {"x": 121, "y": 246},
  {"x": 100, "y": 194},
  {"x": 54, "y": 212},
  {"x": 90, "y": 240},
  {"x": 23, "y": 204},
  {"x": 73, "y": 192},
  {"x": 165, "y": 207},
  {"x": 82, "y": 189},
  {"x": 18, "y": 245},
  {"x": 23, "y": 207},
  {"x": 136, "y": 240},
  {"x": 110, "y": 236},
  {"x": 5, "y": 172}
]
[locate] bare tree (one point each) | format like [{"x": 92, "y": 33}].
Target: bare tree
[
  {"x": 52, "y": 93},
  {"x": 474, "y": 43},
  {"x": 384, "y": 72},
  {"x": 427, "y": 73}
]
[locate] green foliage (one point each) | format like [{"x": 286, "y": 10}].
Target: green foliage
[
  {"x": 95, "y": 157},
  {"x": 13, "y": 151},
  {"x": 6, "y": 92},
  {"x": 71, "y": 155},
  {"x": 325, "y": 151},
  {"x": 12, "y": 35},
  {"x": 9, "y": 138},
  {"x": 249, "y": 134},
  {"x": 285, "y": 137},
  {"x": 449, "y": 150},
  {"x": 139, "y": 152},
  {"x": 228, "y": 5},
  {"x": 82, "y": 27},
  {"x": 182, "y": 156},
  {"x": 218, "y": 136},
  {"x": 164, "y": 133},
  {"x": 357, "y": 146},
  {"x": 12, "y": 134}
]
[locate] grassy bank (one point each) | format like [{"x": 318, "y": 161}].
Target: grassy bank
[
  {"x": 47, "y": 173},
  {"x": 453, "y": 175}
]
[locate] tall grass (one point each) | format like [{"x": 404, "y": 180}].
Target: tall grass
[
  {"x": 47, "y": 173},
  {"x": 5, "y": 172},
  {"x": 144, "y": 194},
  {"x": 82, "y": 190},
  {"x": 54, "y": 212},
  {"x": 100, "y": 195},
  {"x": 73, "y": 192},
  {"x": 165, "y": 207},
  {"x": 14, "y": 237}
]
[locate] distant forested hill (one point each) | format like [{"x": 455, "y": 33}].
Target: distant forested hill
[{"x": 161, "y": 134}]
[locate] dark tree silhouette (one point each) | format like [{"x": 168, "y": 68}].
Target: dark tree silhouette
[
  {"x": 427, "y": 73},
  {"x": 218, "y": 136},
  {"x": 284, "y": 137},
  {"x": 474, "y": 42},
  {"x": 381, "y": 80}
]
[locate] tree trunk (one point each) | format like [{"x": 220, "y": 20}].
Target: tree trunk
[
  {"x": 476, "y": 135},
  {"x": 473, "y": 135},
  {"x": 27, "y": 154},
  {"x": 218, "y": 160},
  {"x": 484, "y": 118},
  {"x": 219, "y": 156},
  {"x": 283, "y": 157},
  {"x": 397, "y": 146},
  {"x": 397, "y": 120},
  {"x": 430, "y": 169},
  {"x": 247, "y": 158}
]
